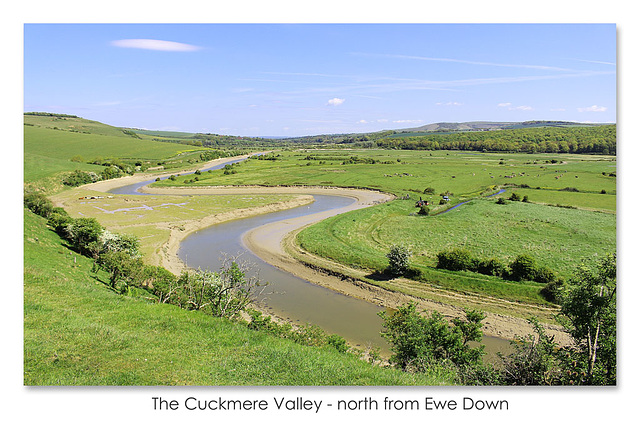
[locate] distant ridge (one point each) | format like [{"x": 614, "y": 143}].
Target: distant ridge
[{"x": 482, "y": 125}]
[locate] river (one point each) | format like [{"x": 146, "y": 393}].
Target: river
[{"x": 290, "y": 297}]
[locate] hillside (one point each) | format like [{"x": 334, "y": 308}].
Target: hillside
[
  {"x": 485, "y": 125},
  {"x": 56, "y": 145}
]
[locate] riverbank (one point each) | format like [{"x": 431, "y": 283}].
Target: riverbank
[{"x": 275, "y": 244}]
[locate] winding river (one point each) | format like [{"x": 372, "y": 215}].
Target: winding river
[{"x": 288, "y": 296}]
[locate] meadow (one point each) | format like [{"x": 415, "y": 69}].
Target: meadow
[{"x": 569, "y": 217}]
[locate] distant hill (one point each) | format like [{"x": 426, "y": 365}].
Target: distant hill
[{"x": 480, "y": 126}]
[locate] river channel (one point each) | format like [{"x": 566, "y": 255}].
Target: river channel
[{"x": 290, "y": 297}]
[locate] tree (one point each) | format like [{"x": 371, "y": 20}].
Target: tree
[
  {"x": 589, "y": 315},
  {"x": 223, "y": 294},
  {"x": 124, "y": 270},
  {"x": 398, "y": 259},
  {"x": 418, "y": 341},
  {"x": 81, "y": 232}
]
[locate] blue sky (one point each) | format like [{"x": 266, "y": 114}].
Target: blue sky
[{"x": 305, "y": 79}]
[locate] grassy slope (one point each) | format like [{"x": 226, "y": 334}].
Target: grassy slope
[{"x": 77, "y": 332}]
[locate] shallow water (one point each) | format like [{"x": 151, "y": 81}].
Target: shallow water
[{"x": 289, "y": 296}]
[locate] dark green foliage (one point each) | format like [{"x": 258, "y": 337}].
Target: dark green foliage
[
  {"x": 429, "y": 190},
  {"x": 424, "y": 210},
  {"x": 456, "y": 259},
  {"x": 82, "y": 233},
  {"x": 39, "y": 204},
  {"x": 533, "y": 360},
  {"x": 124, "y": 270},
  {"x": 492, "y": 267},
  {"x": 525, "y": 199},
  {"x": 58, "y": 219},
  {"x": 551, "y": 292},
  {"x": 417, "y": 341},
  {"x": 596, "y": 139},
  {"x": 501, "y": 201},
  {"x": 523, "y": 268},
  {"x": 79, "y": 177},
  {"x": 514, "y": 197}
]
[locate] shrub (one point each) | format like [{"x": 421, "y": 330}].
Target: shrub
[
  {"x": 429, "y": 190},
  {"x": 38, "y": 204},
  {"x": 544, "y": 275},
  {"x": 417, "y": 341},
  {"x": 398, "y": 259},
  {"x": 456, "y": 259},
  {"x": 492, "y": 267},
  {"x": 523, "y": 268},
  {"x": 82, "y": 232},
  {"x": 514, "y": 197},
  {"x": 551, "y": 292},
  {"x": 424, "y": 210},
  {"x": 58, "y": 219},
  {"x": 525, "y": 199},
  {"x": 501, "y": 201}
]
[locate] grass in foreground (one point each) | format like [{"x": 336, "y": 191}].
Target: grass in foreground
[{"x": 78, "y": 332}]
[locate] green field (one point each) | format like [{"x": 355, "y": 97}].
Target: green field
[
  {"x": 570, "y": 215},
  {"x": 464, "y": 174}
]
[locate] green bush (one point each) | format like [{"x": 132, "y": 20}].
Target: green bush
[
  {"x": 456, "y": 259},
  {"x": 38, "y": 204},
  {"x": 523, "y": 268},
  {"x": 79, "y": 177},
  {"x": 492, "y": 267},
  {"x": 398, "y": 257},
  {"x": 418, "y": 341}
]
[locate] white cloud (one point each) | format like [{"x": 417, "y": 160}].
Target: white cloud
[
  {"x": 363, "y": 121},
  {"x": 408, "y": 121},
  {"x": 335, "y": 101},
  {"x": 450, "y": 104},
  {"x": 150, "y": 44},
  {"x": 592, "y": 109},
  {"x": 508, "y": 105}
]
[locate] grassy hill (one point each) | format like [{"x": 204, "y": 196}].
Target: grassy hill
[
  {"x": 78, "y": 332},
  {"x": 58, "y": 144}
]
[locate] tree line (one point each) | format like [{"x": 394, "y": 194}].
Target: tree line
[{"x": 578, "y": 140}]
